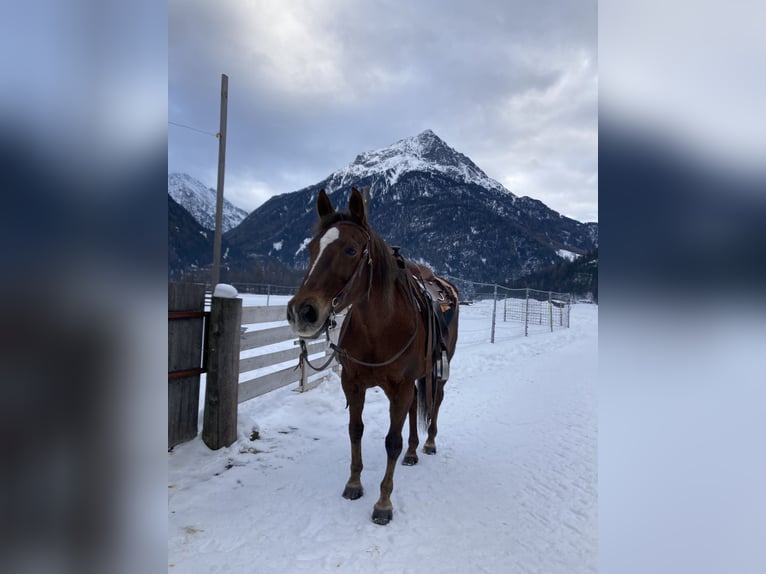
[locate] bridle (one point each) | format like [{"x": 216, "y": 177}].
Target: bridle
[
  {"x": 364, "y": 260},
  {"x": 338, "y": 303}
]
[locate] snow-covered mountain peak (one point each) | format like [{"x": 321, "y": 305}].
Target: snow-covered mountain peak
[
  {"x": 425, "y": 152},
  {"x": 199, "y": 200}
]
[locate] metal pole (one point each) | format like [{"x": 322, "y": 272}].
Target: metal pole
[
  {"x": 526, "y": 316},
  {"x": 219, "y": 196},
  {"x": 494, "y": 310},
  {"x": 561, "y": 313},
  {"x": 268, "y": 294},
  {"x": 550, "y": 310}
]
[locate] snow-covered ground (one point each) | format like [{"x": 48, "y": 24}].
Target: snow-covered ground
[{"x": 513, "y": 487}]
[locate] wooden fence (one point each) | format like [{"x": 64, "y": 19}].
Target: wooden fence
[
  {"x": 261, "y": 339},
  {"x": 228, "y": 343}
]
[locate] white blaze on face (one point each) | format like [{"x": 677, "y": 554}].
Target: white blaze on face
[{"x": 330, "y": 235}]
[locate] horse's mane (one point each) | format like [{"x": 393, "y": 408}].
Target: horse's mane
[{"x": 385, "y": 271}]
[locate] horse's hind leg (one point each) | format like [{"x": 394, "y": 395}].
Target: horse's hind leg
[
  {"x": 430, "y": 445},
  {"x": 411, "y": 456}
]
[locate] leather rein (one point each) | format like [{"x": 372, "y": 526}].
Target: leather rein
[{"x": 337, "y": 304}]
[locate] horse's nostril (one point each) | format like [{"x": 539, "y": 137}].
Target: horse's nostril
[
  {"x": 308, "y": 313},
  {"x": 289, "y": 313}
]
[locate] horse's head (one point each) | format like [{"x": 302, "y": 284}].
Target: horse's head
[{"x": 339, "y": 269}]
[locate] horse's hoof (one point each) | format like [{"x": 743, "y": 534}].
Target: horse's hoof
[
  {"x": 410, "y": 460},
  {"x": 353, "y": 492},
  {"x": 382, "y": 517},
  {"x": 428, "y": 449}
]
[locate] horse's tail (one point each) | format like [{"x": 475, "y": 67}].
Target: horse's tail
[{"x": 424, "y": 415}]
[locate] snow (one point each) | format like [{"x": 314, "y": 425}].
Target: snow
[
  {"x": 511, "y": 489},
  {"x": 411, "y": 154},
  {"x": 303, "y": 245},
  {"x": 200, "y": 201},
  {"x": 225, "y": 291},
  {"x": 278, "y": 245},
  {"x": 566, "y": 254}
]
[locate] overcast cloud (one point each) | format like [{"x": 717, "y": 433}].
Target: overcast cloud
[{"x": 512, "y": 84}]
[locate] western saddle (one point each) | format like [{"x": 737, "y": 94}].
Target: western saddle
[{"x": 437, "y": 301}]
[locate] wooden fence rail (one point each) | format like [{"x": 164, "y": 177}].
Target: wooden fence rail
[{"x": 263, "y": 337}]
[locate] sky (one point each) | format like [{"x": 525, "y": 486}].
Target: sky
[{"x": 511, "y": 84}]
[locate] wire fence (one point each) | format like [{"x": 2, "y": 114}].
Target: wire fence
[{"x": 530, "y": 307}]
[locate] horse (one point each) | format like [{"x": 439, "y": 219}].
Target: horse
[{"x": 399, "y": 333}]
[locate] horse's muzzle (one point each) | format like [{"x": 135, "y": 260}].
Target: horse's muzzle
[{"x": 305, "y": 318}]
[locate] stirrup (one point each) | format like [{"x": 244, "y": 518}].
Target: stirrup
[{"x": 442, "y": 367}]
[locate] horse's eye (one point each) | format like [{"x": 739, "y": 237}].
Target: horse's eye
[{"x": 350, "y": 251}]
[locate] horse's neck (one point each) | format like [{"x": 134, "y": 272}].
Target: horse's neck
[{"x": 376, "y": 314}]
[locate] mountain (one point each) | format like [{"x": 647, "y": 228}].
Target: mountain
[
  {"x": 190, "y": 255},
  {"x": 436, "y": 204},
  {"x": 200, "y": 200},
  {"x": 578, "y": 276},
  {"x": 190, "y": 246},
  {"x": 426, "y": 153}
]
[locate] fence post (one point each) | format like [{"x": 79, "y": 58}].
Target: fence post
[
  {"x": 526, "y": 315},
  {"x": 268, "y": 294},
  {"x": 184, "y": 354},
  {"x": 505, "y": 309},
  {"x": 561, "y": 313},
  {"x": 334, "y": 338},
  {"x": 304, "y": 378},
  {"x": 220, "y": 419},
  {"x": 550, "y": 310},
  {"x": 494, "y": 310}
]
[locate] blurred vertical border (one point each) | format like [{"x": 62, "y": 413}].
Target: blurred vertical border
[
  {"x": 83, "y": 137},
  {"x": 83, "y": 162},
  {"x": 682, "y": 204}
]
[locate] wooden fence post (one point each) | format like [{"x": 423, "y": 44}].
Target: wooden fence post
[
  {"x": 304, "y": 377},
  {"x": 184, "y": 356},
  {"x": 220, "y": 420}
]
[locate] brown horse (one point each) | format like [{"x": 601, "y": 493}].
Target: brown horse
[{"x": 395, "y": 336}]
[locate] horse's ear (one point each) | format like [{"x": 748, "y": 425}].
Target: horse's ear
[
  {"x": 356, "y": 206},
  {"x": 324, "y": 205}
]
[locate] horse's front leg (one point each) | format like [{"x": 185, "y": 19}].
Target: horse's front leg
[
  {"x": 401, "y": 401},
  {"x": 355, "y": 399}
]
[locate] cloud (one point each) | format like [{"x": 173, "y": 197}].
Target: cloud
[{"x": 513, "y": 85}]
